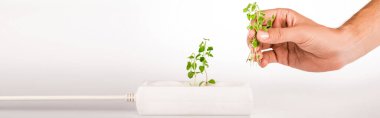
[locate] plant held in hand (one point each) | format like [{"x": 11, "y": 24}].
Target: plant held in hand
[
  {"x": 198, "y": 64},
  {"x": 257, "y": 17}
]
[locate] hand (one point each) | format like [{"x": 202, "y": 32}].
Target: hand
[{"x": 301, "y": 43}]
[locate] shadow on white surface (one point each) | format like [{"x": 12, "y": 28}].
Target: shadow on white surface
[{"x": 79, "y": 109}]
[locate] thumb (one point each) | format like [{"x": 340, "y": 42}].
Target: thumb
[{"x": 280, "y": 35}]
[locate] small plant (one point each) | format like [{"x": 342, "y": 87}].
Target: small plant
[
  {"x": 198, "y": 64},
  {"x": 260, "y": 23}
]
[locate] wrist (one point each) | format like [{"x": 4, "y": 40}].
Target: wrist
[
  {"x": 341, "y": 43},
  {"x": 356, "y": 42}
]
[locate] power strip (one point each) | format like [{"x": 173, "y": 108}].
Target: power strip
[{"x": 174, "y": 98}]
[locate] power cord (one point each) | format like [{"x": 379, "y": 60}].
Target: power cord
[{"x": 129, "y": 97}]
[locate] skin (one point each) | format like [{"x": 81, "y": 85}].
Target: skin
[{"x": 301, "y": 43}]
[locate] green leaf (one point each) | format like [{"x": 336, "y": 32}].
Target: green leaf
[
  {"x": 255, "y": 43},
  {"x": 194, "y": 65},
  {"x": 210, "y": 48},
  {"x": 253, "y": 16},
  {"x": 188, "y": 65},
  {"x": 250, "y": 27},
  {"x": 210, "y": 55},
  {"x": 202, "y": 68},
  {"x": 211, "y": 81},
  {"x": 269, "y": 23},
  {"x": 253, "y": 7},
  {"x": 262, "y": 13},
  {"x": 245, "y": 10},
  {"x": 197, "y": 56},
  {"x": 202, "y": 59},
  {"x": 265, "y": 29},
  {"x": 201, "y": 44},
  {"x": 254, "y": 27},
  {"x": 190, "y": 74},
  {"x": 202, "y": 48},
  {"x": 204, "y": 62},
  {"x": 248, "y": 6},
  {"x": 260, "y": 20},
  {"x": 191, "y": 57}
]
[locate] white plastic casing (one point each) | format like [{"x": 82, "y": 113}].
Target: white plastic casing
[{"x": 178, "y": 98}]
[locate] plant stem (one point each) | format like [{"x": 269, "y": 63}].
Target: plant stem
[
  {"x": 204, "y": 53},
  {"x": 206, "y": 77},
  {"x": 195, "y": 80}
]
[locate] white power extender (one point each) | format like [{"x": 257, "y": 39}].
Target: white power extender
[{"x": 175, "y": 98}]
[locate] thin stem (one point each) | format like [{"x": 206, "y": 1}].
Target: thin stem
[
  {"x": 195, "y": 80},
  {"x": 206, "y": 77}
]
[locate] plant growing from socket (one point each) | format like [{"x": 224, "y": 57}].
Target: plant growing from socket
[
  {"x": 257, "y": 17},
  {"x": 198, "y": 64}
]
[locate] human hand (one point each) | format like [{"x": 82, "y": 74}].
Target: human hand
[{"x": 301, "y": 43}]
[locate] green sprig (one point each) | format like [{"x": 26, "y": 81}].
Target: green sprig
[
  {"x": 257, "y": 17},
  {"x": 198, "y": 63}
]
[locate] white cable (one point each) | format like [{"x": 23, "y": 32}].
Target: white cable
[{"x": 129, "y": 98}]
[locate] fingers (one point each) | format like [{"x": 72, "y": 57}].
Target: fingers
[
  {"x": 283, "y": 17},
  {"x": 251, "y": 35},
  {"x": 264, "y": 46},
  {"x": 282, "y": 29},
  {"x": 268, "y": 15},
  {"x": 282, "y": 35},
  {"x": 268, "y": 57}
]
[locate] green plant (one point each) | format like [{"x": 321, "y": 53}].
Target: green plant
[
  {"x": 198, "y": 63},
  {"x": 257, "y": 17}
]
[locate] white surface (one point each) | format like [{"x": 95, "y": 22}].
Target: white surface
[
  {"x": 179, "y": 98},
  {"x": 109, "y": 47}
]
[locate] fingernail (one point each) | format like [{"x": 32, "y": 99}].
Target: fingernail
[{"x": 264, "y": 35}]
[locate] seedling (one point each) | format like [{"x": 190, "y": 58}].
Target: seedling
[
  {"x": 198, "y": 64},
  {"x": 259, "y": 23}
]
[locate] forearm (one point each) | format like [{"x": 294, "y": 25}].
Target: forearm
[{"x": 362, "y": 31}]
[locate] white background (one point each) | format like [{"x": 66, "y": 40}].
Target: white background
[{"x": 109, "y": 47}]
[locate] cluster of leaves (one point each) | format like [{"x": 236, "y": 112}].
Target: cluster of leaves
[
  {"x": 198, "y": 63},
  {"x": 257, "y": 17}
]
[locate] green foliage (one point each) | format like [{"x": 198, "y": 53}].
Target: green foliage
[
  {"x": 204, "y": 52},
  {"x": 190, "y": 74},
  {"x": 211, "y": 81},
  {"x": 257, "y": 22}
]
